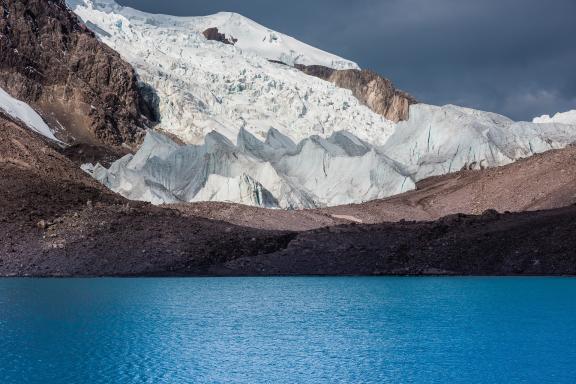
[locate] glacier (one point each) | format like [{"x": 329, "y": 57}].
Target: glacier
[
  {"x": 21, "y": 111},
  {"x": 321, "y": 172},
  {"x": 259, "y": 132},
  {"x": 440, "y": 140},
  {"x": 206, "y": 86}
]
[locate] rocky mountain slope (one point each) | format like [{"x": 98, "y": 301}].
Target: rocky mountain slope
[
  {"x": 373, "y": 90},
  {"x": 536, "y": 243},
  {"x": 82, "y": 88}
]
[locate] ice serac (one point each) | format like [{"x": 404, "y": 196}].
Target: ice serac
[
  {"x": 440, "y": 140},
  {"x": 205, "y": 85},
  {"x": 560, "y": 118},
  {"x": 277, "y": 173},
  {"x": 83, "y": 88},
  {"x": 373, "y": 90}
]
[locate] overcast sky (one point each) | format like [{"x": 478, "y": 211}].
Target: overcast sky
[{"x": 515, "y": 57}]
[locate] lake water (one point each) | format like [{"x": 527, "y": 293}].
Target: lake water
[{"x": 288, "y": 330}]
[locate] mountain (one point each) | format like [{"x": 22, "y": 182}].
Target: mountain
[
  {"x": 288, "y": 126},
  {"x": 224, "y": 78},
  {"x": 80, "y": 86},
  {"x": 205, "y": 85}
]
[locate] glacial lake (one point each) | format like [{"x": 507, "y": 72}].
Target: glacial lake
[{"x": 288, "y": 330}]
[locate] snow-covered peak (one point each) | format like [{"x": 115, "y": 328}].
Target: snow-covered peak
[
  {"x": 23, "y": 112},
  {"x": 206, "y": 85},
  {"x": 259, "y": 40},
  {"x": 560, "y": 118},
  {"x": 252, "y": 38}
]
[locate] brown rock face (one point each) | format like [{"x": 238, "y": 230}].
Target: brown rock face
[
  {"x": 373, "y": 90},
  {"x": 49, "y": 59},
  {"x": 215, "y": 35}
]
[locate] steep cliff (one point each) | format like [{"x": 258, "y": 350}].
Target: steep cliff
[
  {"x": 373, "y": 90},
  {"x": 84, "y": 90}
]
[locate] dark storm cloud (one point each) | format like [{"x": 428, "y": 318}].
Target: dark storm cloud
[{"x": 516, "y": 57}]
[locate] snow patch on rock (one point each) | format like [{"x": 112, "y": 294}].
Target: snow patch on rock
[{"x": 21, "y": 111}]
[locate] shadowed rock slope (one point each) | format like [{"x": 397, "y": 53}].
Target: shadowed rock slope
[
  {"x": 534, "y": 243},
  {"x": 84, "y": 90}
]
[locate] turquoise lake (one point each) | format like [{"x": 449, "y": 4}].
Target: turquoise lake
[{"x": 288, "y": 330}]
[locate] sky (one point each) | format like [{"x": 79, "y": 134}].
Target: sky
[{"x": 514, "y": 57}]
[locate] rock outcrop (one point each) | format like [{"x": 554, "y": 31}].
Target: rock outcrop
[
  {"x": 215, "y": 35},
  {"x": 83, "y": 89},
  {"x": 373, "y": 90}
]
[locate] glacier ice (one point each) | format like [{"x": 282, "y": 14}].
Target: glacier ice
[
  {"x": 440, "y": 140},
  {"x": 275, "y": 173},
  {"x": 319, "y": 172},
  {"x": 207, "y": 86}
]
